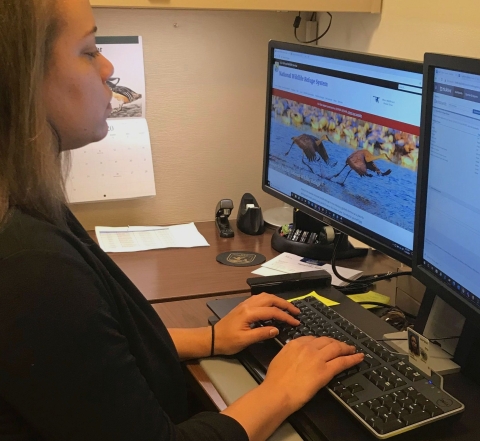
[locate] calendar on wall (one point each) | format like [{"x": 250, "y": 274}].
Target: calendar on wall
[{"x": 119, "y": 166}]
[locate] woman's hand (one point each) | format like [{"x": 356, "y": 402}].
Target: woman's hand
[
  {"x": 234, "y": 333},
  {"x": 299, "y": 370},
  {"x": 305, "y": 365}
]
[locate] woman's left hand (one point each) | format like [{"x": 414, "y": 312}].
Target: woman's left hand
[{"x": 234, "y": 333}]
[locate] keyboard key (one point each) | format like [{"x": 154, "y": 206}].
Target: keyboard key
[
  {"x": 387, "y": 427},
  {"x": 401, "y": 367},
  {"x": 388, "y": 417},
  {"x": 364, "y": 411},
  {"x": 433, "y": 410},
  {"x": 417, "y": 376},
  {"x": 405, "y": 402},
  {"x": 375, "y": 421},
  {"x": 387, "y": 356},
  {"x": 380, "y": 411},
  {"x": 355, "y": 388},
  {"x": 386, "y": 386},
  {"x": 373, "y": 404},
  {"x": 415, "y": 417},
  {"x": 412, "y": 393},
  {"x": 414, "y": 408},
  {"x": 372, "y": 362},
  {"x": 363, "y": 366},
  {"x": 386, "y": 373},
  {"x": 401, "y": 413},
  {"x": 398, "y": 395},
  {"x": 398, "y": 382},
  {"x": 387, "y": 401}
]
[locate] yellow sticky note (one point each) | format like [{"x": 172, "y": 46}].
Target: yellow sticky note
[
  {"x": 370, "y": 296},
  {"x": 322, "y": 299}
]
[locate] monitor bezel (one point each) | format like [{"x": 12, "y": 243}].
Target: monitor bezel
[
  {"x": 432, "y": 283},
  {"x": 357, "y": 57}
]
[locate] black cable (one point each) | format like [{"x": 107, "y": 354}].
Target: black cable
[
  {"x": 297, "y": 22},
  {"x": 386, "y": 305},
  {"x": 371, "y": 279},
  {"x": 431, "y": 340}
]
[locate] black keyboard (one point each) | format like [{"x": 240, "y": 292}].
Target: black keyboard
[{"x": 385, "y": 393}]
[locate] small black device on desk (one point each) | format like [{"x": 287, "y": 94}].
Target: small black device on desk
[{"x": 222, "y": 212}]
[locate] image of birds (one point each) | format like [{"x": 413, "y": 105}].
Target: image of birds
[
  {"x": 122, "y": 96},
  {"x": 321, "y": 148}
]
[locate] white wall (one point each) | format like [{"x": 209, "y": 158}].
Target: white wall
[{"x": 205, "y": 83}]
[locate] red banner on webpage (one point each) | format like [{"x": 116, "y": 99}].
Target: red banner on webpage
[{"x": 368, "y": 117}]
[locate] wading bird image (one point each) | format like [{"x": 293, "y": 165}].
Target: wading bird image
[
  {"x": 361, "y": 161},
  {"x": 311, "y": 145}
]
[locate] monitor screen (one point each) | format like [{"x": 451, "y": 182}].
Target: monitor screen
[
  {"x": 341, "y": 141},
  {"x": 449, "y": 217}
]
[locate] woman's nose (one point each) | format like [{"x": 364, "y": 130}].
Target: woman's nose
[{"x": 107, "y": 69}]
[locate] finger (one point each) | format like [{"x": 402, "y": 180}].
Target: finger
[
  {"x": 260, "y": 334},
  {"x": 269, "y": 313},
  {"x": 272, "y": 300},
  {"x": 336, "y": 349},
  {"x": 342, "y": 363}
]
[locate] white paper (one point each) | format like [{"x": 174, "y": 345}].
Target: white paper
[
  {"x": 287, "y": 263},
  {"x": 124, "y": 239}
]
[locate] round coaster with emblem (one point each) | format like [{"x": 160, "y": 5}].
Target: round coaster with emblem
[{"x": 241, "y": 258}]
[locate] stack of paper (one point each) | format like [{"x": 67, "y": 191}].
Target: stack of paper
[{"x": 291, "y": 263}]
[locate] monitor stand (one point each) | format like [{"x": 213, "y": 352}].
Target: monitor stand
[
  {"x": 278, "y": 216},
  {"x": 317, "y": 251}
]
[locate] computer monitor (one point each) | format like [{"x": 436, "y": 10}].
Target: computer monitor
[
  {"x": 342, "y": 141},
  {"x": 447, "y": 229}
]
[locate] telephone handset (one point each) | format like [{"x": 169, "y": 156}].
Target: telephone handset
[{"x": 222, "y": 212}]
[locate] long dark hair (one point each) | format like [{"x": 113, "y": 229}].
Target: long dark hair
[{"x": 31, "y": 175}]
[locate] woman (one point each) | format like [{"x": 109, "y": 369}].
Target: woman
[{"x": 83, "y": 356}]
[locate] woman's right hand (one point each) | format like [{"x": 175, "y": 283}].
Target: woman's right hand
[{"x": 305, "y": 365}]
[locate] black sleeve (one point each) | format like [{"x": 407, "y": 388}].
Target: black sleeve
[{"x": 66, "y": 367}]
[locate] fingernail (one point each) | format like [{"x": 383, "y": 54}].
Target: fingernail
[{"x": 273, "y": 332}]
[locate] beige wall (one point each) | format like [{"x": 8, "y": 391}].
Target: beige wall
[
  {"x": 409, "y": 28},
  {"x": 205, "y": 83},
  {"x": 206, "y": 93}
]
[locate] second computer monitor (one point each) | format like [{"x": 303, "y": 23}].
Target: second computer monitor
[{"x": 341, "y": 141}]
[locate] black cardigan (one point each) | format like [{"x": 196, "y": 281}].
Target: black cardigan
[{"x": 83, "y": 355}]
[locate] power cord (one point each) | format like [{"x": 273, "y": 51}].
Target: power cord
[
  {"x": 298, "y": 20},
  {"x": 367, "y": 279}
]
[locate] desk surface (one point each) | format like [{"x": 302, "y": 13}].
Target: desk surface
[{"x": 186, "y": 273}]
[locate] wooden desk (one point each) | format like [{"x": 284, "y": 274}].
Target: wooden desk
[{"x": 186, "y": 273}]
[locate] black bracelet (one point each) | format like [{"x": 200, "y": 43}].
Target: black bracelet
[{"x": 212, "y": 350}]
